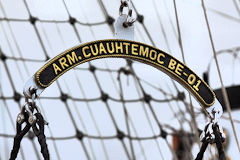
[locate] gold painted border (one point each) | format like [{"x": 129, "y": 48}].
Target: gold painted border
[{"x": 177, "y": 77}]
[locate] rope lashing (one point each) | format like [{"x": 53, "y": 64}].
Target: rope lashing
[
  {"x": 18, "y": 138},
  {"x": 40, "y": 135},
  {"x": 208, "y": 139},
  {"x": 36, "y": 122}
]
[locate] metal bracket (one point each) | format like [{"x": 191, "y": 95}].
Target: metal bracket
[
  {"x": 215, "y": 112},
  {"x": 122, "y": 32},
  {"x": 124, "y": 25},
  {"x": 31, "y": 88},
  {"x": 31, "y": 91}
]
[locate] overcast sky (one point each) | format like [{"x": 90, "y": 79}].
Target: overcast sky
[{"x": 57, "y": 38}]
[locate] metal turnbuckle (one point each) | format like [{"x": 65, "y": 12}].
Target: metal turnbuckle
[
  {"x": 215, "y": 112},
  {"x": 129, "y": 20},
  {"x": 212, "y": 134},
  {"x": 208, "y": 132},
  {"x": 29, "y": 108},
  {"x": 33, "y": 120}
]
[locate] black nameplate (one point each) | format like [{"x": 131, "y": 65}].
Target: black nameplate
[{"x": 115, "y": 48}]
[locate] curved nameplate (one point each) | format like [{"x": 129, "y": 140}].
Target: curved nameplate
[{"x": 116, "y": 48}]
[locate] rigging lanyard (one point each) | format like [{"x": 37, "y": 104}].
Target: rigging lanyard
[
  {"x": 218, "y": 140},
  {"x": 123, "y": 30},
  {"x": 34, "y": 121}
]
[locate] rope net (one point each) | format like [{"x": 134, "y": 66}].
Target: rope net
[{"x": 104, "y": 109}]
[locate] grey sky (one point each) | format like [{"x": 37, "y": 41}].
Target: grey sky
[{"x": 197, "y": 50}]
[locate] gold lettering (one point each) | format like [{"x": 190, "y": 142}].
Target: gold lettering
[
  {"x": 126, "y": 46},
  {"x": 62, "y": 62},
  {"x": 159, "y": 58},
  {"x": 172, "y": 64},
  {"x": 153, "y": 57},
  {"x": 56, "y": 68},
  {"x": 191, "y": 79},
  {"x": 84, "y": 52},
  {"x": 179, "y": 69},
  {"x": 112, "y": 50},
  {"x": 119, "y": 47},
  {"x": 197, "y": 85},
  {"x": 72, "y": 59},
  {"x": 143, "y": 52},
  {"x": 96, "y": 50},
  {"x": 134, "y": 49},
  {"x": 102, "y": 49}
]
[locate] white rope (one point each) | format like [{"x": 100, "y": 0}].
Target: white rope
[
  {"x": 225, "y": 96},
  {"x": 236, "y": 6},
  {"x": 184, "y": 61}
]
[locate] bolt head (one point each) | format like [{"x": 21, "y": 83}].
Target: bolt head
[
  {"x": 31, "y": 119},
  {"x": 20, "y": 118}
]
